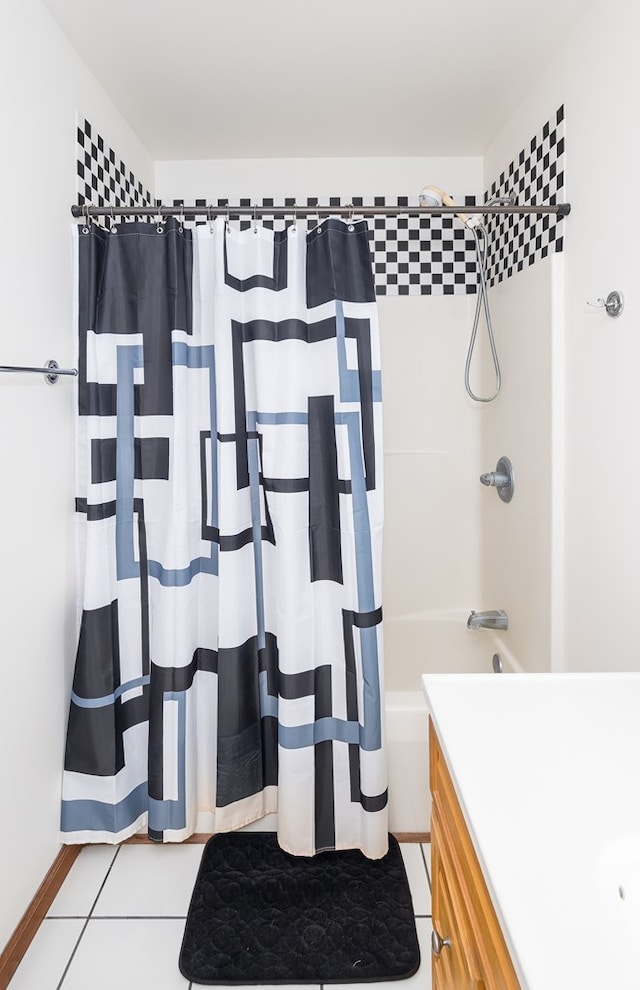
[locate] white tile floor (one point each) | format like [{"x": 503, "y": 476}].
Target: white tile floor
[{"x": 119, "y": 918}]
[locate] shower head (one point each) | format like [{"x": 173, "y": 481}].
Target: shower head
[
  {"x": 507, "y": 200},
  {"x": 434, "y": 196}
]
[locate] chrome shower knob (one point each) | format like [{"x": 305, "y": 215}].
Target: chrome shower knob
[{"x": 501, "y": 479}]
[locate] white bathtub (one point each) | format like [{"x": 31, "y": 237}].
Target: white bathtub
[{"x": 426, "y": 643}]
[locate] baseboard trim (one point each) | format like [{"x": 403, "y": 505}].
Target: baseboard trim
[
  {"x": 199, "y": 837},
  {"x": 144, "y": 840},
  {"x": 413, "y": 836},
  {"x": 16, "y": 947}
]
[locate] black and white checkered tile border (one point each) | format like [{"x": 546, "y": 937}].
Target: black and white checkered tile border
[
  {"x": 536, "y": 177},
  {"x": 426, "y": 255},
  {"x": 103, "y": 179},
  {"x": 410, "y": 255}
]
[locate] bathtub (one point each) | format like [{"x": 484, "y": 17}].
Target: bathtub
[{"x": 417, "y": 644}]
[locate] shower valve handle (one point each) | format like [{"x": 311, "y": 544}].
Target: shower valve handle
[
  {"x": 501, "y": 479},
  {"x": 495, "y": 479}
]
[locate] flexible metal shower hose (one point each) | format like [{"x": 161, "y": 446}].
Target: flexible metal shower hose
[{"x": 482, "y": 303}]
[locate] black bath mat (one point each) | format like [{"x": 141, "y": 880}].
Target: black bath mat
[{"x": 258, "y": 915}]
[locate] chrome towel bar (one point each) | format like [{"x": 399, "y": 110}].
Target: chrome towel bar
[{"x": 50, "y": 372}]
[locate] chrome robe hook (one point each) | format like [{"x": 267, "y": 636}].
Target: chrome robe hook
[{"x": 613, "y": 304}]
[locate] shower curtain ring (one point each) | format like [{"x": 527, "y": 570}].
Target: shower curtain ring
[
  {"x": 255, "y": 218},
  {"x": 227, "y": 222},
  {"x": 113, "y": 229},
  {"x": 159, "y": 220},
  {"x": 181, "y": 220},
  {"x": 85, "y": 210},
  {"x": 295, "y": 216}
]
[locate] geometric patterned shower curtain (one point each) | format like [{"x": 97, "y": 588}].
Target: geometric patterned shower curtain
[{"x": 230, "y": 495}]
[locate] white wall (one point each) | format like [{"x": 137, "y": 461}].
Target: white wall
[
  {"x": 597, "y": 77},
  {"x": 322, "y": 177},
  {"x": 42, "y": 83}
]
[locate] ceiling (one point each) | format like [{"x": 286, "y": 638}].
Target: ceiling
[{"x": 303, "y": 78}]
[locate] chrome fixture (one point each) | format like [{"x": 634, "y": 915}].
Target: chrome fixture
[
  {"x": 51, "y": 371},
  {"x": 613, "y": 304},
  {"x": 496, "y": 619},
  {"x": 481, "y": 239},
  {"x": 508, "y": 200},
  {"x": 501, "y": 479},
  {"x": 496, "y": 663},
  {"x": 433, "y": 197}
]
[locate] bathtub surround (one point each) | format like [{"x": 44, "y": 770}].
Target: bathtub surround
[
  {"x": 230, "y": 475},
  {"x": 445, "y": 646},
  {"x": 525, "y": 425}
]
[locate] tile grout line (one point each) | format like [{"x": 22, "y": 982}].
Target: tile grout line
[
  {"x": 88, "y": 918},
  {"x": 139, "y": 917},
  {"x": 64, "y": 917}
]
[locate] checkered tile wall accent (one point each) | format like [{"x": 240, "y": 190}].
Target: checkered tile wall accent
[
  {"x": 426, "y": 255},
  {"x": 535, "y": 177},
  {"x": 410, "y": 255},
  {"x": 103, "y": 179}
]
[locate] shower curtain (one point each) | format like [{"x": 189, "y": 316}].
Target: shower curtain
[{"x": 229, "y": 657}]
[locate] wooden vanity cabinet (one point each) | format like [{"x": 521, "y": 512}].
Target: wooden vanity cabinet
[{"x": 468, "y": 948}]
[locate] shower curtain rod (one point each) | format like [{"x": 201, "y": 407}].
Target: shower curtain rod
[{"x": 233, "y": 212}]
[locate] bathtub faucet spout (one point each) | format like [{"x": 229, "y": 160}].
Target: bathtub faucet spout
[{"x": 497, "y": 619}]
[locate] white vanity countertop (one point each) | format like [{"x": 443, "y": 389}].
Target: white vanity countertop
[{"x": 547, "y": 771}]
